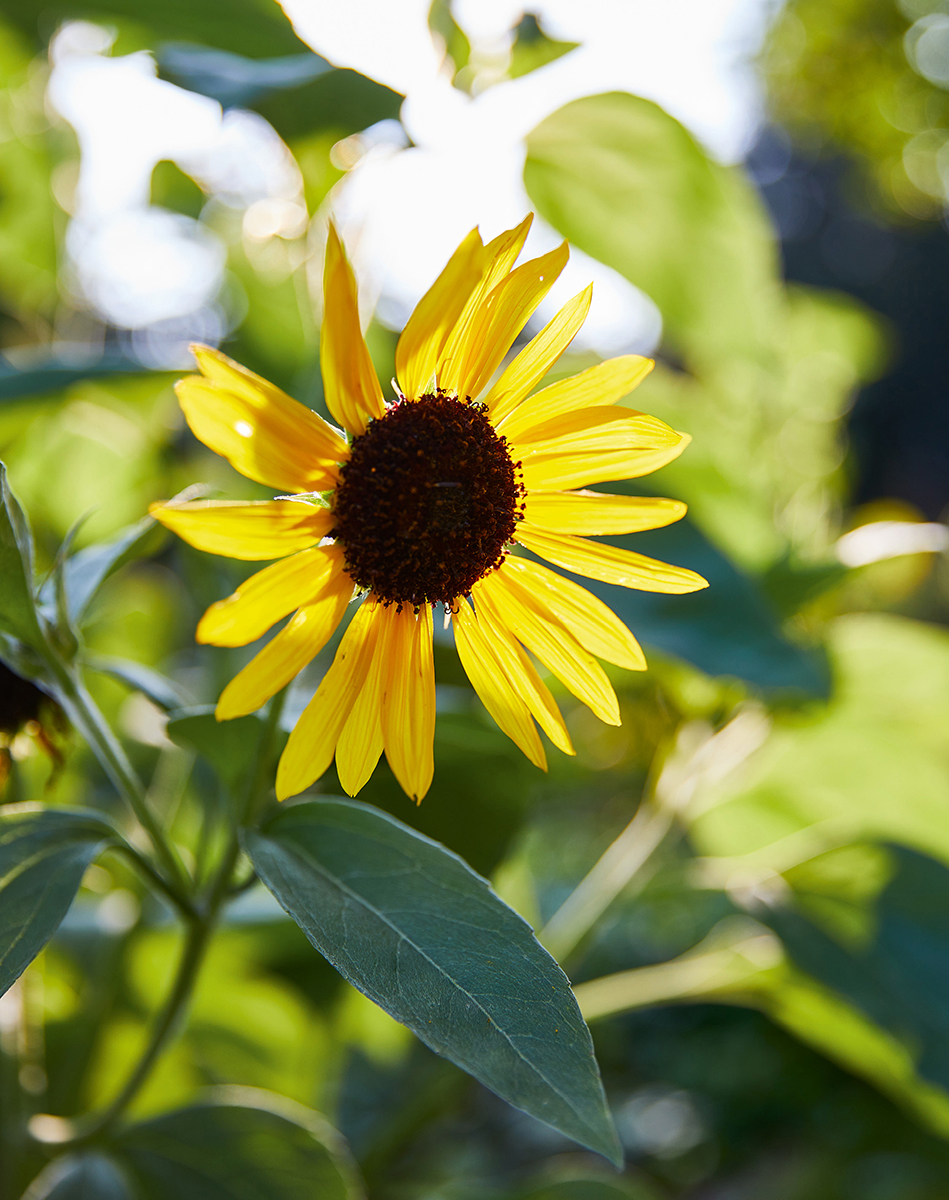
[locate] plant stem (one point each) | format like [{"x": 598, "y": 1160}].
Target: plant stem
[
  {"x": 155, "y": 877},
  {"x": 201, "y": 928},
  {"x": 623, "y": 859},
  {"x": 174, "y": 1008},
  {"x": 85, "y": 715}
]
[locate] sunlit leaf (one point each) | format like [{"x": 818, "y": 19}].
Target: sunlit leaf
[
  {"x": 44, "y": 853},
  {"x": 412, "y": 926},
  {"x": 627, "y": 183},
  {"x": 869, "y": 766},
  {"x": 251, "y": 28},
  {"x": 533, "y": 49}
]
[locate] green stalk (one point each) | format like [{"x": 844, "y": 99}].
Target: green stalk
[
  {"x": 85, "y": 715},
  {"x": 201, "y": 928}
]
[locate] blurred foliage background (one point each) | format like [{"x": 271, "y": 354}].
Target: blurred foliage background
[{"x": 761, "y": 932}]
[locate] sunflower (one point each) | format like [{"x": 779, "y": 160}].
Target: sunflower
[{"x": 418, "y": 504}]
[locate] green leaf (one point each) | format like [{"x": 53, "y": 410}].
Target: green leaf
[
  {"x": 229, "y": 746},
  {"x": 28, "y": 212},
  {"x": 251, "y": 27},
  {"x": 44, "y": 853},
  {"x": 900, "y": 976},
  {"x": 233, "y": 79},
  {"x": 17, "y": 609},
  {"x": 157, "y": 687},
  {"x": 241, "y": 1145},
  {"x": 299, "y": 94},
  {"x": 870, "y": 766},
  {"x": 52, "y": 375},
  {"x": 628, "y": 184},
  {"x": 89, "y": 1176},
  {"x": 341, "y": 100},
  {"x": 85, "y": 572},
  {"x": 588, "y": 1189},
  {"x": 413, "y": 927},
  {"x": 534, "y": 49},
  {"x": 740, "y": 963}
]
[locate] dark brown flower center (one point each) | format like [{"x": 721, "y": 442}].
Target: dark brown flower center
[{"x": 427, "y": 501}]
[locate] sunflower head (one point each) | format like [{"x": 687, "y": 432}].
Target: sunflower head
[
  {"x": 428, "y": 501},
  {"x": 425, "y": 501}
]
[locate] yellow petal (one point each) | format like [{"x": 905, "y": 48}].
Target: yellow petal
[
  {"x": 595, "y": 431},
  {"x": 361, "y": 741},
  {"x": 260, "y": 431},
  {"x": 498, "y": 258},
  {"x": 596, "y": 512},
  {"x": 352, "y": 391},
  {"x": 537, "y": 357},
  {"x": 257, "y": 530},
  {"x": 288, "y": 653},
  {"x": 523, "y": 675},
  {"x": 597, "y": 386},
  {"x": 608, "y": 563},
  {"x": 549, "y": 639},
  {"x": 500, "y": 254},
  {"x": 312, "y": 743},
  {"x": 427, "y": 329},
  {"x": 547, "y": 472},
  {"x": 595, "y": 626},
  {"x": 493, "y": 686},
  {"x": 498, "y": 321},
  {"x": 268, "y": 596},
  {"x": 408, "y": 713}
]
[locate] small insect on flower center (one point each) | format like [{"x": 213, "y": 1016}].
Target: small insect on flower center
[{"x": 427, "y": 501}]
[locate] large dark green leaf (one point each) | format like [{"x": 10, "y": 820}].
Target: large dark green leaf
[
  {"x": 628, "y": 184},
  {"x": 246, "y": 1146},
  {"x": 44, "y": 853},
  {"x": 17, "y": 611},
  {"x": 414, "y": 928}
]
